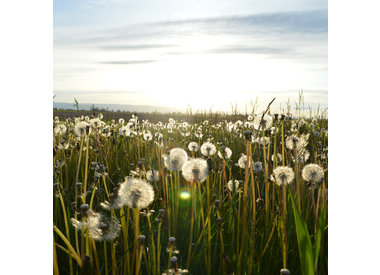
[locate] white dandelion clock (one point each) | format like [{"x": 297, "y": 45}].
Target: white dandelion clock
[
  {"x": 60, "y": 129},
  {"x": 195, "y": 170},
  {"x": 283, "y": 175},
  {"x": 262, "y": 123},
  {"x": 147, "y": 135},
  {"x": 238, "y": 185},
  {"x": 193, "y": 146},
  {"x": 81, "y": 128},
  {"x": 176, "y": 159},
  {"x": 242, "y": 162},
  {"x": 208, "y": 149},
  {"x": 257, "y": 166},
  {"x": 96, "y": 123},
  {"x": 225, "y": 153},
  {"x": 151, "y": 175},
  {"x": 312, "y": 173},
  {"x": 136, "y": 193}
]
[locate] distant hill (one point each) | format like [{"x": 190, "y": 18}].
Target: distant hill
[{"x": 117, "y": 107}]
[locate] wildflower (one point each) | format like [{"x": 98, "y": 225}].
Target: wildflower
[
  {"x": 283, "y": 175},
  {"x": 257, "y": 166},
  {"x": 125, "y": 131},
  {"x": 279, "y": 157},
  {"x": 98, "y": 227},
  {"x": 242, "y": 162},
  {"x": 208, "y": 149},
  {"x": 121, "y": 121},
  {"x": 176, "y": 159},
  {"x": 195, "y": 170},
  {"x": 136, "y": 193},
  {"x": 238, "y": 185},
  {"x": 152, "y": 175},
  {"x": 193, "y": 146},
  {"x": 96, "y": 123},
  {"x": 225, "y": 152},
  {"x": 262, "y": 123},
  {"x": 81, "y": 127},
  {"x": 312, "y": 173},
  {"x": 60, "y": 129},
  {"x": 263, "y": 140},
  {"x": 250, "y": 117},
  {"x": 147, "y": 135},
  {"x": 302, "y": 155},
  {"x": 294, "y": 142}
]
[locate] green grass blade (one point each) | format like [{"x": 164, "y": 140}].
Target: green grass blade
[{"x": 304, "y": 242}]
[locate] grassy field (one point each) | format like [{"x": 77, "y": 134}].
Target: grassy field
[{"x": 176, "y": 194}]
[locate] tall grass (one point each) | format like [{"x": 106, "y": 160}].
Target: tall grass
[{"x": 260, "y": 230}]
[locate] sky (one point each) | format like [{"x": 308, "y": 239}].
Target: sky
[{"x": 202, "y": 54}]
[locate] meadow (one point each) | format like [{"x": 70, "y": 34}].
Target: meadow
[{"x": 244, "y": 194}]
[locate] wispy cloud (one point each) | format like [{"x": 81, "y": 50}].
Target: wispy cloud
[
  {"x": 127, "y": 62},
  {"x": 134, "y": 47}
]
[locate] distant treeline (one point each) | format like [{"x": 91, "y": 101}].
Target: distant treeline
[{"x": 153, "y": 117}]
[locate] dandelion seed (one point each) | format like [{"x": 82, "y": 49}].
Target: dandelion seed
[
  {"x": 294, "y": 142},
  {"x": 176, "y": 159},
  {"x": 312, "y": 173},
  {"x": 208, "y": 149},
  {"x": 193, "y": 146},
  {"x": 136, "y": 193},
  {"x": 283, "y": 175},
  {"x": 195, "y": 170}
]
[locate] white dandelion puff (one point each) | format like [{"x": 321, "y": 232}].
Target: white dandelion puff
[
  {"x": 227, "y": 153},
  {"x": 152, "y": 175},
  {"x": 257, "y": 166},
  {"x": 283, "y": 175},
  {"x": 208, "y": 149},
  {"x": 81, "y": 127},
  {"x": 193, "y": 146},
  {"x": 195, "y": 170},
  {"x": 262, "y": 123},
  {"x": 312, "y": 173},
  {"x": 238, "y": 185},
  {"x": 60, "y": 129},
  {"x": 242, "y": 162},
  {"x": 136, "y": 193},
  {"x": 176, "y": 159}
]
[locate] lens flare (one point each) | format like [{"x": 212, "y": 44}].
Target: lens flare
[{"x": 184, "y": 195}]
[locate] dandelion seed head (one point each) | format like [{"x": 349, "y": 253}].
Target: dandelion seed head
[
  {"x": 80, "y": 128},
  {"x": 227, "y": 153},
  {"x": 263, "y": 124},
  {"x": 231, "y": 183},
  {"x": 136, "y": 193},
  {"x": 312, "y": 173},
  {"x": 208, "y": 149},
  {"x": 176, "y": 159},
  {"x": 195, "y": 170},
  {"x": 152, "y": 175},
  {"x": 242, "y": 162},
  {"x": 257, "y": 166},
  {"x": 283, "y": 175},
  {"x": 193, "y": 146}
]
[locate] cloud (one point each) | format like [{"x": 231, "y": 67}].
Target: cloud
[
  {"x": 119, "y": 47},
  {"x": 264, "y": 25},
  {"x": 128, "y": 62}
]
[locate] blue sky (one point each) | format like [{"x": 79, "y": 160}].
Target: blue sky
[{"x": 179, "y": 53}]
